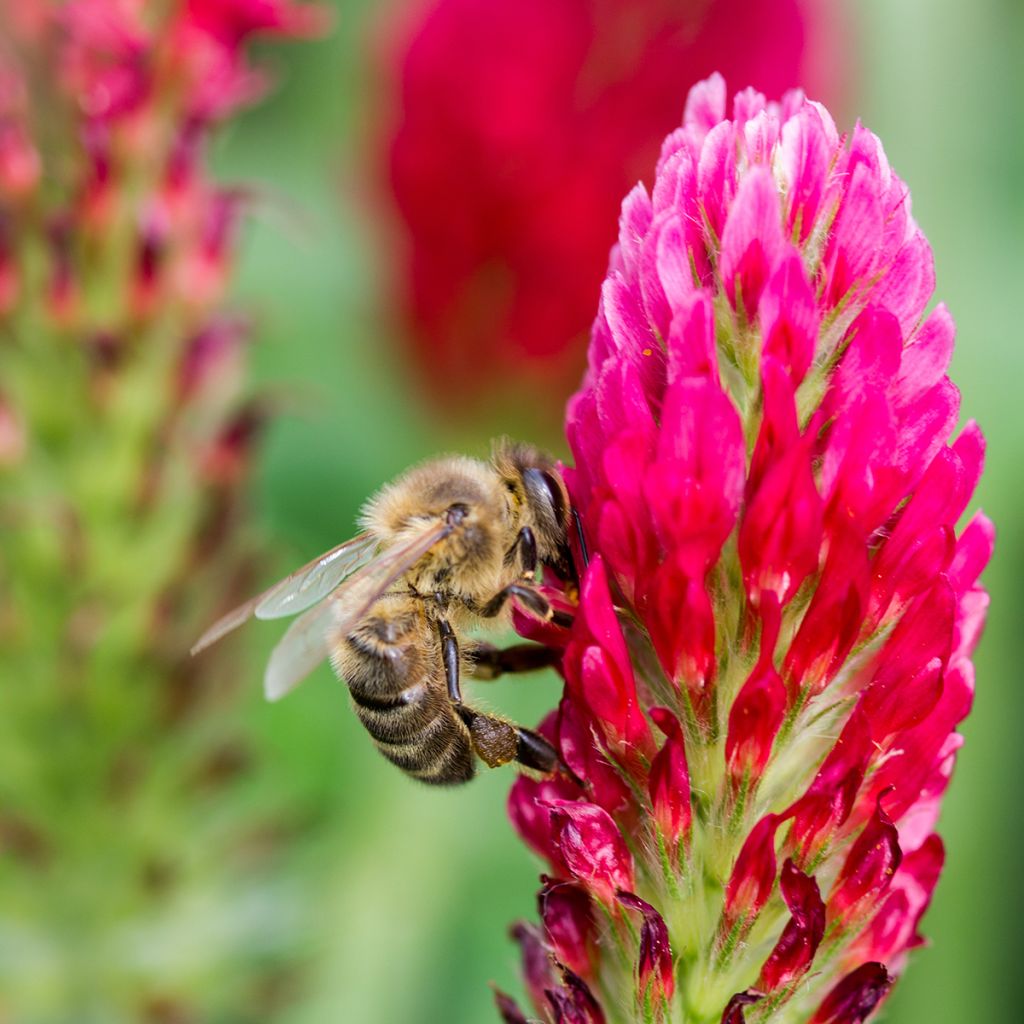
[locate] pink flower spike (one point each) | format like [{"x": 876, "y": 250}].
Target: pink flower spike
[
  {"x": 593, "y": 848},
  {"x": 768, "y": 473}
]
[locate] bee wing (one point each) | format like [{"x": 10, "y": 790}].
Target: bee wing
[
  {"x": 308, "y": 640},
  {"x": 316, "y": 580},
  {"x": 297, "y": 591}
]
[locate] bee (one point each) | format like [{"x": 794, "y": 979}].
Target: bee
[{"x": 446, "y": 547}]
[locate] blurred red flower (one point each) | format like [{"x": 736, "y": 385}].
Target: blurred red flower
[{"x": 520, "y": 125}]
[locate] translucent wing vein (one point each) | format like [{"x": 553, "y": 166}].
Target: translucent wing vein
[
  {"x": 297, "y": 591},
  {"x": 308, "y": 640}
]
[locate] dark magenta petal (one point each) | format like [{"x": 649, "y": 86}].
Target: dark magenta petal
[
  {"x": 573, "y": 1002},
  {"x": 593, "y": 848},
  {"x": 655, "y": 977},
  {"x": 733, "y": 1012},
  {"x": 669, "y": 780},
  {"x": 830, "y": 798},
  {"x": 753, "y": 876},
  {"x": 855, "y": 998},
  {"x": 868, "y": 869},
  {"x": 754, "y": 720},
  {"x": 892, "y": 932},
  {"x": 794, "y": 952},
  {"x": 537, "y": 964},
  {"x": 510, "y": 1012},
  {"x": 567, "y": 913},
  {"x": 528, "y": 810}
]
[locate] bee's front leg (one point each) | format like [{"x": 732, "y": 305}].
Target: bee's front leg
[
  {"x": 527, "y": 545},
  {"x": 532, "y": 600}
]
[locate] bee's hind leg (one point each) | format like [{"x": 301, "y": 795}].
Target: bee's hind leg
[{"x": 496, "y": 742}]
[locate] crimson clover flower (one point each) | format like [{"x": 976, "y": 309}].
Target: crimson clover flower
[
  {"x": 519, "y": 126},
  {"x": 774, "y": 636}
]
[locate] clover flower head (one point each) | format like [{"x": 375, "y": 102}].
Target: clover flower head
[{"x": 774, "y": 635}]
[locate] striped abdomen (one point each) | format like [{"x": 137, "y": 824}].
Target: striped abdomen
[{"x": 392, "y": 665}]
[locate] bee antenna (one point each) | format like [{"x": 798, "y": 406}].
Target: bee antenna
[{"x": 581, "y": 537}]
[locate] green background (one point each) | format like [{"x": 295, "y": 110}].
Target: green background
[{"x": 418, "y": 887}]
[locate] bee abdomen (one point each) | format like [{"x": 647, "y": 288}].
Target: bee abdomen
[{"x": 418, "y": 734}]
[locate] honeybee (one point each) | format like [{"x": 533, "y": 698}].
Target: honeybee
[{"x": 445, "y": 547}]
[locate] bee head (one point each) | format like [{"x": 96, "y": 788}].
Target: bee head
[{"x": 538, "y": 491}]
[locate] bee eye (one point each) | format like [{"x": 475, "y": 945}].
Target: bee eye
[
  {"x": 544, "y": 488},
  {"x": 557, "y": 496}
]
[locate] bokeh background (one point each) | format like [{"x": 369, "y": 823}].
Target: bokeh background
[{"x": 402, "y": 896}]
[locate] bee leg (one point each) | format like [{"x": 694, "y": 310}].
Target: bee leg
[
  {"x": 489, "y": 661},
  {"x": 531, "y": 599},
  {"x": 450, "y": 655},
  {"x": 527, "y": 545},
  {"x": 533, "y": 751},
  {"x": 496, "y": 742}
]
